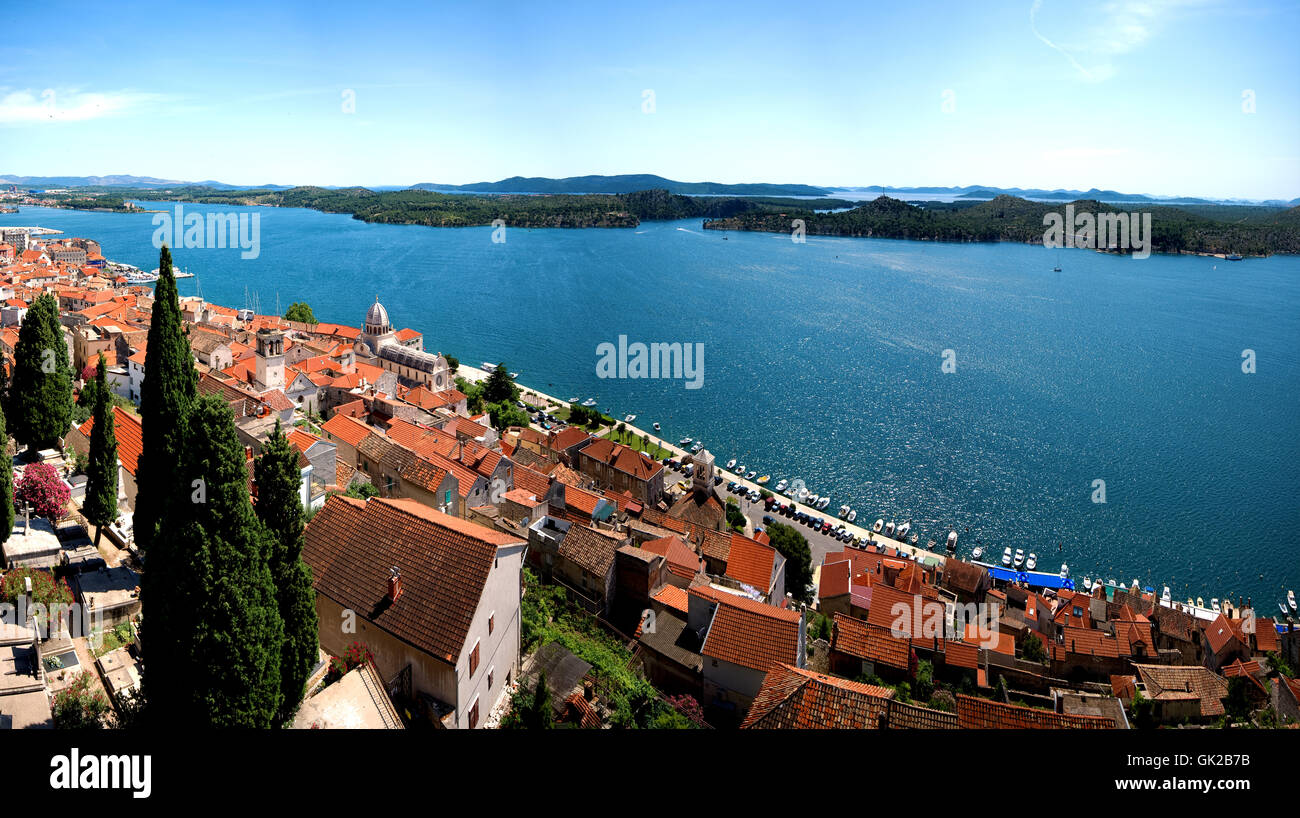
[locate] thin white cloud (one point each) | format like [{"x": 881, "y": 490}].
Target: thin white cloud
[
  {"x": 51, "y": 105},
  {"x": 1102, "y": 32}
]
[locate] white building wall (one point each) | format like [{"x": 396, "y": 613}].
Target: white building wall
[{"x": 498, "y": 651}]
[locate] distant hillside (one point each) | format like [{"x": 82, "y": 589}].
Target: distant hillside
[
  {"x": 626, "y": 183},
  {"x": 1257, "y": 231},
  {"x": 122, "y": 181}
]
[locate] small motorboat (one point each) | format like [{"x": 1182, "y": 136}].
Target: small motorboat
[
  {"x": 844, "y": 510},
  {"x": 1290, "y": 600},
  {"x": 823, "y": 503},
  {"x": 853, "y": 515},
  {"x": 574, "y": 400},
  {"x": 750, "y": 475},
  {"x": 763, "y": 481},
  {"x": 1006, "y": 556},
  {"x": 589, "y": 402},
  {"x": 977, "y": 553},
  {"x": 740, "y": 470},
  {"x": 731, "y": 464},
  {"x": 781, "y": 484},
  {"x": 686, "y": 441},
  {"x": 1281, "y": 606},
  {"x": 878, "y": 525},
  {"x": 1032, "y": 562},
  {"x": 1087, "y": 583},
  {"x": 1200, "y": 602},
  {"x": 1020, "y": 557},
  {"x": 655, "y": 427},
  {"x": 696, "y": 447},
  {"x": 952, "y": 543},
  {"x": 629, "y": 418},
  {"x": 1214, "y": 605},
  {"x": 812, "y": 499},
  {"x": 904, "y": 530},
  {"x": 889, "y": 528}
]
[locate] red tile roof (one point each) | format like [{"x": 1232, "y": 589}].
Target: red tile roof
[
  {"x": 680, "y": 558},
  {"x": 862, "y": 640},
  {"x": 130, "y": 437},
  {"x": 348, "y": 429},
  {"x": 749, "y": 633},
  {"x": 981, "y": 714},
  {"x": 793, "y": 698},
  {"x": 751, "y": 563},
  {"x": 444, "y": 563},
  {"x": 673, "y": 597}
]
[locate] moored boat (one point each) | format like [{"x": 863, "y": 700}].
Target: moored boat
[
  {"x": 853, "y": 515},
  {"x": 731, "y": 464},
  {"x": 844, "y": 510},
  {"x": 1032, "y": 562},
  {"x": 823, "y": 503},
  {"x": 655, "y": 427},
  {"x": 1006, "y": 556},
  {"x": 977, "y": 553},
  {"x": 781, "y": 484},
  {"x": 878, "y": 525},
  {"x": 952, "y": 543},
  {"x": 1290, "y": 600},
  {"x": 904, "y": 530},
  {"x": 762, "y": 481},
  {"x": 1065, "y": 570},
  {"x": 1020, "y": 557}
]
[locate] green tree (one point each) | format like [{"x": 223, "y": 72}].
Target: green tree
[
  {"x": 531, "y": 710},
  {"x": 1031, "y": 648},
  {"x": 300, "y": 311},
  {"x": 504, "y": 415},
  {"x": 170, "y": 387},
  {"x": 1143, "y": 710},
  {"x": 924, "y": 681},
  {"x": 500, "y": 386},
  {"x": 1237, "y": 703},
  {"x": 216, "y": 661},
  {"x": 40, "y": 396},
  {"x": 100, "y": 504},
  {"x": 279, "y": 508},
  {"x": 6, "y": 486},
  {"x": 792, "y": 545}
]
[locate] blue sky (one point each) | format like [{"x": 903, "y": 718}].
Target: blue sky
[{"x": 1135, "y": 96}]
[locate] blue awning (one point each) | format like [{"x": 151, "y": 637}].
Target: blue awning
[{"x": 1033, "y": 578}]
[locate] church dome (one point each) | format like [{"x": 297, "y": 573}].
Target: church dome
[{"x": 377, "y": 316}]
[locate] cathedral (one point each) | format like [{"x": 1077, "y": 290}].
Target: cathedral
[{"x": 378, "y": 345}]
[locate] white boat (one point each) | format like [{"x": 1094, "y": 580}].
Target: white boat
[
  {"x": 903, "y": 531},
  {"x": 889, "y": 528},
  {"x": 1290, "y": 600},
  {"x": 1087, "y": 583},
  {"x": 1200, "y": 602},
  {"x": 977, "y": 553},
  {"x": 1065, "y": 570},
  {"x": 762, "y": 481},
  {"x": 811, "y": 499},
  {"x": 487, "y": 367},
  {"x": 1006, "y": 556},
  {"x": 853, "y": 515},
  {"x": 844, "y": 510},
  {"x": 878, "y": 525},
  {"x": 731, "y": 464},
  {"x": 589, "y": 402},
  {"x": 655, "y": 427},
  {"x": 750, "y": 475},
  {"x": 695, "y": 448},
  {"x": 629, "y": 418},
  {"x": 1281, "y": 606},
  {"x": 823, "y": 503},
  {"x": 183, "y": 275},
  {"x": 140, "y": 277},
  {"x": 1214, "y": 605},
  {"x": 781, "y": 484},
  {"x": 952, "y": 543},
  {"x": 802, "y": 494},
  {"x": 1020, "y": 557},
  {"x": 686, "y": 441},
  {"x": 1032, "y": 562}
]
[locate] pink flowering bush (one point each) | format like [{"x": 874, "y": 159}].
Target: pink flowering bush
[{"x": 44, "y": 490}]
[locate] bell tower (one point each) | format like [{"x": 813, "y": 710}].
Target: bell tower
[{"x": 270, "y": 359}]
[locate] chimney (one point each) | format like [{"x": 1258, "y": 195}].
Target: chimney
[{"x": 394, "y": 585}]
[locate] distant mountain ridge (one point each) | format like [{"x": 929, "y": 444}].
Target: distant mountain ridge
[{"x": 634, "y": 182}]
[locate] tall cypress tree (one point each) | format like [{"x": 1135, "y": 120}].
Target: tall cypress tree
[
  {"x": 6, "y": 485},
  {"x": 223, "y": 669},
  {"x": 40, "y": 396},
  {"x": 280, "y": 508},
  {"x": 170, "y": 387},
  {"x": 100, "y": 505}
]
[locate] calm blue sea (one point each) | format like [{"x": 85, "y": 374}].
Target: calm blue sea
[{"x": 824, "y": 361}]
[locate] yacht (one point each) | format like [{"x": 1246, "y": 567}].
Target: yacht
[
  {"x": 589, "y": 402},
  {"x": 1020, "y": 557},
  {"x": 1006, "y": 556},
  {"x": 878, "y": 525},
  {"x": 977, "y": 553},
  {"x": 781, "y": 484},
  {"x": 853, "y": 515},
  {"x": 823, "y": 503},
  {"x": 731, "y": 464},
  {"x": 1032, "y": 562},
  {"x": 1065, "y": 570},
  {"x": 1290, "y": 600},
  {"x": 141, "y": 277}
]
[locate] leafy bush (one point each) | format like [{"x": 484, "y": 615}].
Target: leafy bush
[
  {"x": 43, "y": 489},
  {"x": 78, "y": 706}
]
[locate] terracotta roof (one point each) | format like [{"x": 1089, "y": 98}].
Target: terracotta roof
[
  {"x": 568, "y": 436},
  {"x": 981, "y": 714},
  {"x": 444, "y": 563},
  {"x": 623, "y": 458},
  {"x": 749, "y": 633},
  {"x": 1266, "y": 639},
  {"x": 1219, "y": 634},
  {"x": 591, "y": 549},
  {"x": 1123, "y": 687},
  {"x": 678, "y": 556},
  {"x": 673, "y": 597},
  {"x": 1177, "y": 682},
  {"x": 833, "y": 580},
  {"x": 961, "y": 654},
  {"x": 348, "y": 429},
  {"x": 129, "y": 435},
  {"x": 793, "y": 698},
  {"x": 578, "y": 710},
  {"x": 1240, "y": 668},
  {"x": 860, "y": 639},
  {"x": 751, "y": 563}
]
